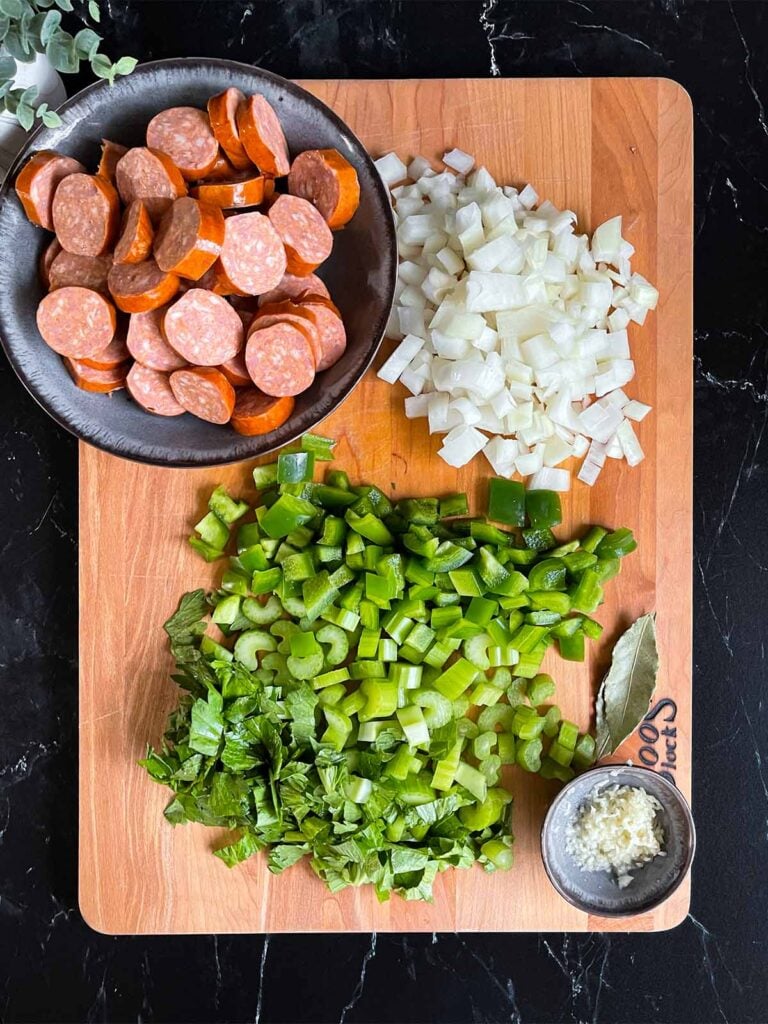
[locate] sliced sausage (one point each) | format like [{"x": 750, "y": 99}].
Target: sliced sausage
[
  {"x": 243, "y": 190},
  {"x": 110, "y": 154},
  {"x": 189, "y": 238},
  {"x": 205, "y": 392},
  {"x": 307, "y": 238},
  {"x": 292, "y": 316},
  {"x": 329, "y": 182},
  {"x": 152, "y": 391},
  {"x": 280, "y": 359},
  {"x": 47, "y": 256},
  {"x": 147, "y": 344},
  {"x": 115, "y": 354},
  {"x": 293, "y": 287},
  {"x": 262, "y": 136},
  {"x": 76, "y": 322},
  {"x": 184, "y": 133},
  {"x": 93, "y": 379},
  {"x": 69, "y": 269},
  {"x": 139, "y": 287},
  {"x": 222, "y": 113},
  {"x": 255, "y": 413},
  {"x": 203, "y": 328},
  {"x": 37, "y": 181},
  {"x": 330, "y": 327},
  {"x": 252, "y": 257},
  {"x": 222, "y": 170},
  {"x": 86, "y": 214},
  {"x": 236, "y": 371},
  {"x": 136, "y": 236},
  {"x": 151, "y": 176}
]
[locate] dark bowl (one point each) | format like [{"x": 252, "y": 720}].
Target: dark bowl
[{"x": 360, "y": 273}]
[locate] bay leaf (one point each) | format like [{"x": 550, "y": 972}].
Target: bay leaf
[{"x": 626, "y": 691}]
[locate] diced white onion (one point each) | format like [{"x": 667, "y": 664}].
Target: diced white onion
[
  {"x": 459, "y": 161},
  {"x": 635, "y": 410},
  {"x": 464, "y": 444},
  {"x": 391, "y": 168},
  {"x": 547, "y": 479},
  {"x": 512, "y": 323},
  {"x": 633, "y": 453},
  {"x": 400, "y": 358}
]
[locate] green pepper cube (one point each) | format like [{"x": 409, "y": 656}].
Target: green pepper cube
[
  {"x": 226, "y": 508},
  {"x": 286, "y": 514},
  {"x": 506, "y": 501},
  {"x": 543, "y": 509}
]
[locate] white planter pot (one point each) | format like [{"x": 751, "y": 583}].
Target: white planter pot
[{"x": 50, "y": 90}]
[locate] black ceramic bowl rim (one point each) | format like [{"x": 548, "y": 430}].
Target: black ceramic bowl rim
[
  {"x": 112, "y": 441},
  {"x": 674, "y": 794}
]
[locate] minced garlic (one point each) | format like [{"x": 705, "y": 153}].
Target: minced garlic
[{"x": 616, "y": 830}]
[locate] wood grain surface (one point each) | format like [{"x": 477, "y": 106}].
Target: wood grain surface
[{"x": 599, "y": 147}]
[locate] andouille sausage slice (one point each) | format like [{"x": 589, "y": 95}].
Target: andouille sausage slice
[
  {"x": 236, "y": 371},
  {"x": 76, "y": 322},
  {"x": 189, "y": 238},
  {"x": 115, "y": 354},
  {"x": 47, "y": 256},
  {"x": 86, "y": 214},
  {"x": 329, "y": 182},
  {"x": 292, "y": 316},
  {"x": 152, "y": 391},
  {"x": 256, "y": 413},
  {"x": 151, "y": 176},
  {"x": 205, "y": 392},
  {"x": 146, "y": 342},
  {"x": 252, "y": 257},
  {"x": 330, "y": 328},
  {"x": 185, "y": 134},
  {"x": 262, "y": 136},
  {"x": 280, "y": 360},
  {"x": 203, "y": 328},
  {"x": 292, "y": 286},
  {"x": 307, "y": 238},
  {"x": 69, "y": 269},
  {"x": 222, "y": 113},
  {"x": 139, "y": 287},
  {"x": 242, "y": 191},
  {"x": 136, "y": 235},
  {"x": 38, "y": 180},
  {"x": 222, "y": 170},
  {"x": 110, "y": 154},
  {"x": 99, "y": 381},
  {"x": 331, "y": 337}
]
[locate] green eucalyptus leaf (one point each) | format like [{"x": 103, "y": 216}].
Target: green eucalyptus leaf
[
  {"x": 5, "y": 24},
  {"x": 101, "y": 66},
  {"x": 64, "y": 5},
  {"x": 15, "y": 46},
  {"x": 25, "y": 116},
  {"x": 125, "y": 65},
  {"x": 51, "y": 22},
  {"x": 35, "y": 28},
  {"x": 5, "y": 88},
  {"x": 51, "y": 119},
  {"x": 626, "y": 691},
  {"x": 87, "y": 43},
  {"x": 61, "y": 53},
  {"x": 7, "y": 67},
  {"x": 29, "y": 96},
  {"x": 12, "y": 9},
  {"x": 43, "y": 5},
  {"x": 40, "y": 109},
  {"x": 93, "y": 10}
]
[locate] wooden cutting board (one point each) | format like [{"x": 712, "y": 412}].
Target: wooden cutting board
[{"x": 599, "y": 147}]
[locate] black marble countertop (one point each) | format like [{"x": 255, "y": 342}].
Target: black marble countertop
[{"x": 711, "y": 968}]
